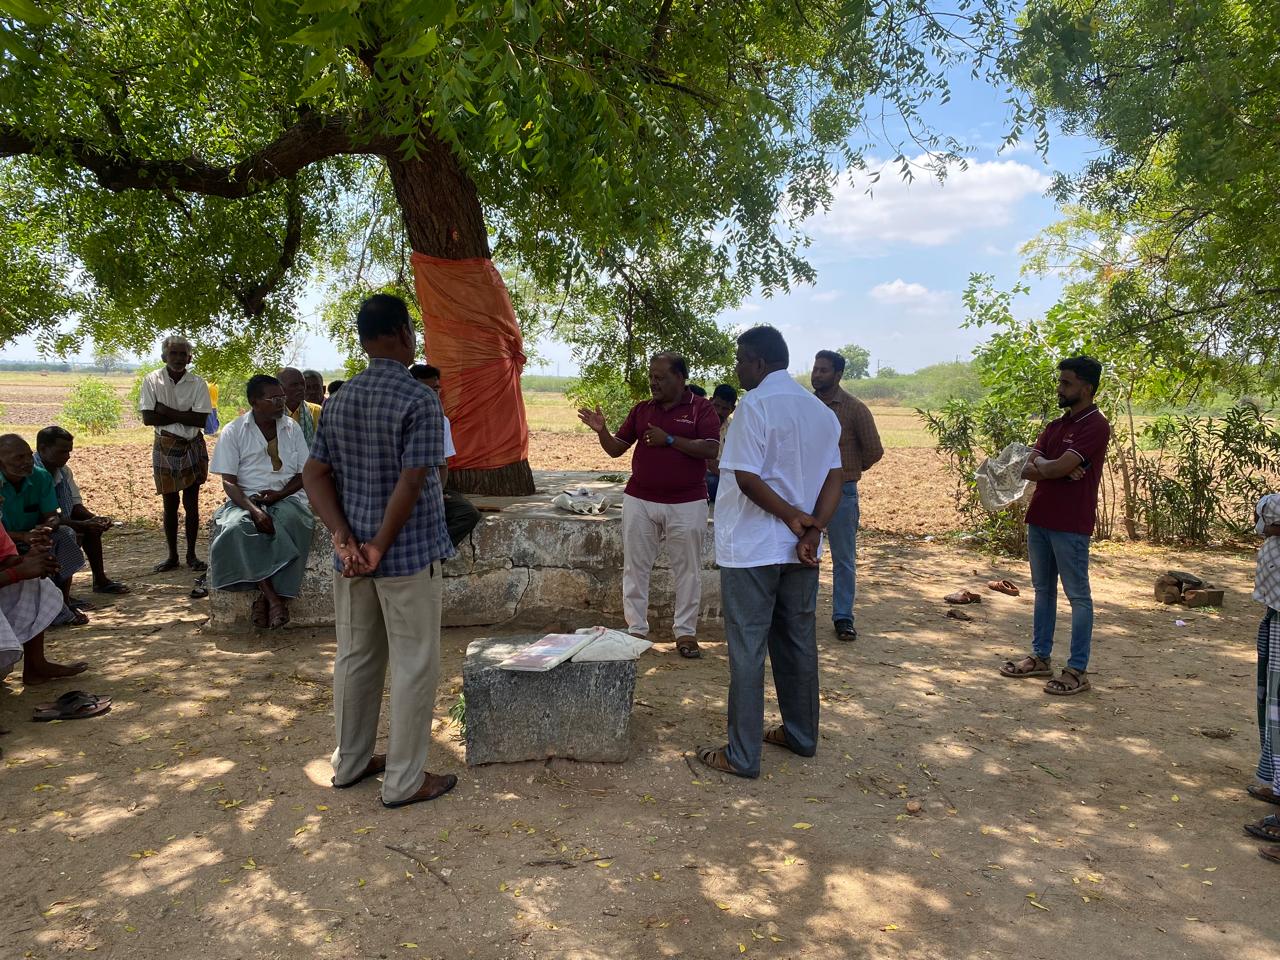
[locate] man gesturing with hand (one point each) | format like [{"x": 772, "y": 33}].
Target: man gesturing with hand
[
  {"x": 373, "y": 479},
  {"x": 780, "y": 483}
]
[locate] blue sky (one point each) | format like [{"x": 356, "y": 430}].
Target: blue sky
[{"x": 891, "y": 264}]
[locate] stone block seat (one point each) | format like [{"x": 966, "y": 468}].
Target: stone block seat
[
  {"x": 526, "y": 562},
  {"x": 575, "y": 711}
]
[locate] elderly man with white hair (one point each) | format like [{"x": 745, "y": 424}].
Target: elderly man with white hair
[{"x": 176, "y": 403}]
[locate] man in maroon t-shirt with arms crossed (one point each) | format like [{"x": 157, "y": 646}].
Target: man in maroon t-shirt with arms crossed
[
  {"x": 666, "y": 498},
  {"x": 1066, "y": 464}
]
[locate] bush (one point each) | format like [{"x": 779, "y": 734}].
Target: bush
[{"x": 93, "y": 407}]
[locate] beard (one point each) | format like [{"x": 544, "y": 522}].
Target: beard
[{"x": 1064, "y": 402}]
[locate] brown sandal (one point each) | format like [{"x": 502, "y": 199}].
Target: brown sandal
[
  {"x": 715, "y": 758},
  {"x": 1059, "y": 687},
  {"x": 1004, "y": 586},
  {"x": 688, "y": 648},
  {"x": 258, "y": 612},
  {"x": 1028, "y": 666},
  {"x": 962, "y": 596}
]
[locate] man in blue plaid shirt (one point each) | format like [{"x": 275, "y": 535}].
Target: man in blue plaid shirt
[{"x": 373, "y": 480}]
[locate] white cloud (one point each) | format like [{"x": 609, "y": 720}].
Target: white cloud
[
  {"x": 925, "y": 213},
  {"x": 911, "y": 297},
  {"x": 827, "y": 296}
]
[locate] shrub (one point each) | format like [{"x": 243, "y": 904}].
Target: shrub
[{"x": 93, "y": 407}]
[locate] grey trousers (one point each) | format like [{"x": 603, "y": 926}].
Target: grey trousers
[
  {"x": 771, "y": 609},
  {"x": 381, "y": 620}
]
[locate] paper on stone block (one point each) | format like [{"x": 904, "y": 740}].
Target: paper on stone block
[
  {"x": 551, "y": 651},
  {"x": 610, "y": 645}
]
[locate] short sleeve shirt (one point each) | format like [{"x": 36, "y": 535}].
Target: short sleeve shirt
[
  {"x": 449, "y": 450},
  {"x": 189, "y": 393},
  {"x": 662, "y": 474},
  {"x": 7, "y": 547},
  {"x": 1066, "y": 505},
  {"x": 789, "y": 439},
  {"x": 24, "y": 506},
  {"x": 379, "y": 423},
  {"x": 241, "y": 452}
]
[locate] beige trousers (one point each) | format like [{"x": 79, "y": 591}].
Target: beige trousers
[
  {"x": 646, "y": 527},
  {"x": 381, "y": 620}
]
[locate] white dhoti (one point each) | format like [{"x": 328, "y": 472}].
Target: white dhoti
[{"x": 26, "y": 609}]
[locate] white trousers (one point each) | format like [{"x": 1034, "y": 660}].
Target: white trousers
[
  {"x": 646, "y": 528},
  {"x": 383, "y": 621}
]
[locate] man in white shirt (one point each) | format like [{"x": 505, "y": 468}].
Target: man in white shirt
[
  {"x": 460, "y": 514},
  {"x": 176, "y": 403},
  {"x": 780, "y": 484},
  {"x": 262, "y": 534}
]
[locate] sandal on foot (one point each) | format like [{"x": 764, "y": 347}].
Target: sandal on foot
[
  {"x": 75, "y": 603},
  {"x": 258, "y": 612},
  {"x": 72, "y": 705},
  {"x": 1004, "y": 586},
  {"x": 716, "y": 759},
  {"x": 279, "y": 618},
  {"x": 778, "y": 737},
  {"x": 1061, "y": 687},
  {"x": 1265, "y": 794},
  {"x": 1272, "y": 855},
  {"x": 164, "y": 566},
  {"x": 688, "y": 648},
  {"x": 1268, "y": 829},
  {"x": 111, "y": 586},
  {"x": 376, "y": 765},
  {"x": 199, "y": 566},
  {"x": 428, "y": 791},
  {"x": 962, "y": 596},
  {"x": 1028, "y": 666}
]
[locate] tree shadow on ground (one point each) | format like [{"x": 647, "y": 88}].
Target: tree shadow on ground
[{"x": 196, "y": 819}]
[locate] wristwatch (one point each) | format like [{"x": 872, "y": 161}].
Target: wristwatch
[{"x": 670, "y": 440}]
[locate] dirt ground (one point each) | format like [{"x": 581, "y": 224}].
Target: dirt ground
[{"x": 195, "y": 819}]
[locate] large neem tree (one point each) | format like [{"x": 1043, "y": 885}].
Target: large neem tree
[{"x": 190, "y": 163}]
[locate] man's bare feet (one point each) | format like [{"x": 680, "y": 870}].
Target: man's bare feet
[{"x": 46, "y": 672}]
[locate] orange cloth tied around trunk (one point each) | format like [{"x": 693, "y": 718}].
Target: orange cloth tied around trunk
[{"x": 471, "y": 334}]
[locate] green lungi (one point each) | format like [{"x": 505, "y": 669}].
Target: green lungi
[{"x": 240, "y": 554}]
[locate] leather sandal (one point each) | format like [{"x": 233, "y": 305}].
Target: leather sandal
[{"x": 1028, "y": 666}]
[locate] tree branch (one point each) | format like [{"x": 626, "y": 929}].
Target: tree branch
[
  {"x": 311, "y": 139},
  {"x": 253, "y": 299}
]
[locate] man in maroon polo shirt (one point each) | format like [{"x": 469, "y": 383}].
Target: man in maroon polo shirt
[
  {"x": 1066, "y": 464},
  {"x": 666, "y": 498}
]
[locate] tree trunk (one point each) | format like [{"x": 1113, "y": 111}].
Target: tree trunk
[{"x": 443, "y": 218}]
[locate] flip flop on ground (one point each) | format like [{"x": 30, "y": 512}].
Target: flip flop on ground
[
  {"x": 72, "y": 705},
  {"x": 962, "y": 596},
  {"x": 1004, "y": 586},
  {"x": 1028, "y": 666},
  {"x": 110, "y": 586}
]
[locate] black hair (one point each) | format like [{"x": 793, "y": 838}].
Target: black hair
[
  {"x": 257, "y": 385},
  {"x": 836, "y": 360},
  {"x": 334, "y": 385},
  {"x": 313, "y": 375},
  {"x": 51, "y": 435},
  {"x": 765, "y": 343},
  {"x": 697, "y": 391},
  {"x": 674, "y": 361},
  {"x": 1086, "y": 368},
  {"x": 726, "y": 393},
  {"x": 424, "y": 371},
  {"x": 381, "y": 316}
]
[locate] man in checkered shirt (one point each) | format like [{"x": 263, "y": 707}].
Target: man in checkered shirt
[{"x": 373, "y": 480}]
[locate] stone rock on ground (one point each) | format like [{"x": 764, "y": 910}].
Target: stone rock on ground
[{"x": 576, "y": 711}]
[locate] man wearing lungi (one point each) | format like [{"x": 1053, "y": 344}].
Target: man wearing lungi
[
  {"x": 176, "y": 403},
  {"x": 30, "y": 513},
  {"x": 28, "y": 604},
  {"x": 262, "y": 533}
]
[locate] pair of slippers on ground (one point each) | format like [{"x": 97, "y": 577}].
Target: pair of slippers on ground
[
  {"x": 72, "y": 705},
  {"x": 1268, "y": 828},
  {"x": 968, "y": 596}
]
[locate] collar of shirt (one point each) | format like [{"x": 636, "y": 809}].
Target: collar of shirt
[
  {"x": 838, "y": 399},
  {"x": 686, "y": 400},
  {"x": 773, "y": 383},
  {"x": 1069, "y": 417}
]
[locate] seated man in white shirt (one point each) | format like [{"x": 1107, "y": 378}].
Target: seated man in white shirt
[
  {"x": 262, "y": 534},
  {"x": 460, "y": 514}
]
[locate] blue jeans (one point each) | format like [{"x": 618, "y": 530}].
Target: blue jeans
[
  {"x": 1055, "y": 554},
  {"x": 713, "y": 484},
  {"x": 770, "y": 610},
  {"x": 842, "y": 535}
]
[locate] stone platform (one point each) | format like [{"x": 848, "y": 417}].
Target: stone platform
[
  {"x": 575, "y": 711},
  {"x": 525, "y": 563}
]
